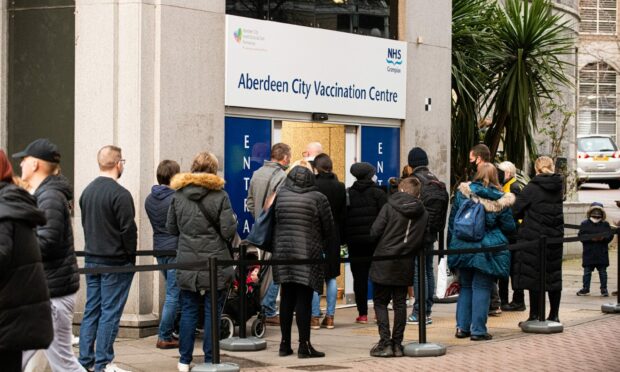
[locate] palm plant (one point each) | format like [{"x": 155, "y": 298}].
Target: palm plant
[
  {"x": 472, "y": 22},
  {"x": 526, "y": 65}
]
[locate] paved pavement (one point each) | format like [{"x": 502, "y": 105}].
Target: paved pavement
[{"x": 591, "y": 340}]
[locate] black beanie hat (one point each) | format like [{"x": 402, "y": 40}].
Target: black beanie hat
[
  {"x": 417, "y": 157},
  {"x": 363, "y": 171}
]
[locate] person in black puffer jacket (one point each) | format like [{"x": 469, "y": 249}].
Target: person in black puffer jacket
[
  {"x": 400, "y": 228},
  {"x": 328, "y": 185},
  {"x": 200, "y": 238},
  {"x": 25, "y": 315},
  {"x": 41, "y": 170},
  {"x": 595, "y": 250},
  {"x": 540, "y": 207},
  {"x": 303, "y": 229},
  {"x": 156, "y": 206},
  {"x": 365, "y": 200}
]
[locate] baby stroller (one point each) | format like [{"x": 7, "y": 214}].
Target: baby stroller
[{"x": 231, "y": 309}]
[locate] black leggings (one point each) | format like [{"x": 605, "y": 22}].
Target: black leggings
[
  {"x": 11, "y": 361},
  {"x": 360, "y": 285},
  {"x": 554, "y": 303},
  {"x": 295, "y": 298}
]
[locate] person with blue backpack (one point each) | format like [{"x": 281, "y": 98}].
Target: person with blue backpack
[{"x": 480, "y": 218}]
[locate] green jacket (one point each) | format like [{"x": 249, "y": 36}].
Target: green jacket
[{"x": 198, "y": 239}]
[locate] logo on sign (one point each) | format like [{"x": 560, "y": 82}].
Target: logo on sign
[
  {"x": 394, "y": 60},
  {"x": 238, "y": 35}
]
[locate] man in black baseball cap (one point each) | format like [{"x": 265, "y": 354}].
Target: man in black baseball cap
[{"x": 41, "y": 148}]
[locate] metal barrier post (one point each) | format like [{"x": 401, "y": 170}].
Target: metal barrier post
[
  {"x": 542, "y": 277},
  {"x": 615, "y": 308},
  {"x": 422, "y": 348},
  {"x": 244, "y": 343},
  {"x": 215, "y": 328},
  {"x": 541, "y": 325}
]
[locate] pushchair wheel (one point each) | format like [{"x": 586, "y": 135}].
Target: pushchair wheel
[
  {"x": 258, "y": 327},
  {"x": 227, "y": 327}
]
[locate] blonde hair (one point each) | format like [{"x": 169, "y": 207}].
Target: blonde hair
[
  {"x": 108, "y": 157},
  {"x": 544, "y": 164},
  {"x": 300, "y": 163},
  {"x": 487, "y": 174},
  {"x": 509, "y": 167},
  {"x": 204, "y": 162}
]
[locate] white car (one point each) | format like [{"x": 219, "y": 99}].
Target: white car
[{"x": 598, "y": 160}]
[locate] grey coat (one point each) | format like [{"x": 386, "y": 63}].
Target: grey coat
[
  {"x": 270, "y": 176},
  {"x": 198, "y": 239},
  {"x": 304, "y": 226}
]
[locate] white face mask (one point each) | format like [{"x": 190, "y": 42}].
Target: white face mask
[
  {"x": 374, "y": 178},
  {"x": 595, "y": 220}
]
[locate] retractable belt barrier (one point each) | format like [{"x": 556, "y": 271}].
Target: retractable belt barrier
[{"x": 541, "y": 243}]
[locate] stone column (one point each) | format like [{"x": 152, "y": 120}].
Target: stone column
[
  {"x": 427, "y": 30},
  {"x": 150, "y": 79}
]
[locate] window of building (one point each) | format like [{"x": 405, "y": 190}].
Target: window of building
[
  {"x": 366, "y": 17},
  {"x": 598, "y": 17},
  {"x": 597, "y": 100}
]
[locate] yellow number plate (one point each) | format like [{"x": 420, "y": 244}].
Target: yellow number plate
[{"x": 601, "y": 158}]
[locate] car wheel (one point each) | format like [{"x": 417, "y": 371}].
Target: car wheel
[{"x": 614, "y": 184}]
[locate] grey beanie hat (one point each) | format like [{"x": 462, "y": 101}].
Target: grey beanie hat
[{"x": 363, "y": 171}]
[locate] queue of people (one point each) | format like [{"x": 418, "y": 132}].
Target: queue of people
[{"x": 314, "y": 214}]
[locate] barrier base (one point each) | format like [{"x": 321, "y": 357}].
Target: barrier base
[
  {"x": 243, "y": 344},
  {"x": 208, "y": 367},
  {"x": 545, "y": 327},
  {"x": 415, "y": 349},
  {"x": 611, "y": 308}
]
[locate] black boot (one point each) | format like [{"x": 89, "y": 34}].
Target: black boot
[
  {"x": 285, "y": 349},
  {"x": 307, "y": 351}
]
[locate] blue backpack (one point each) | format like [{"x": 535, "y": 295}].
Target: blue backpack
[{"x": 470, "y": 221}]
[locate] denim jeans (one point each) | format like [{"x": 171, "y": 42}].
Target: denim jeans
[
  {"x": 106, "y": 295},
  {"x": 472, "y": 308},
  {"x": 430, "y": 281},
  {"x": 269, "y": 300},
  {"x": 332, "y": 292},
  {"x": 190, "y": 305},
  {"x": 587, "y": 276},
  {"x": 171, "y": 304}
]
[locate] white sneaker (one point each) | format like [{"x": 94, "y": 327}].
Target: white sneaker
[
  {"x": 182, "y": 367},
  {"x": 114, "y": 368}
]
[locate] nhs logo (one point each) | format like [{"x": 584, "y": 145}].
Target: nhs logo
[{"x": 394, "y": 60}]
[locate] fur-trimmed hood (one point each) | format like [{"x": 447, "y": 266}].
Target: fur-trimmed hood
[
  {"x": 598, "y": 206},
  {"x": 205, "y": 180},
  {"x": 491, "y": 199}
]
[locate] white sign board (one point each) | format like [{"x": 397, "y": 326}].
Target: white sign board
[{"x": 272, "y": 65}]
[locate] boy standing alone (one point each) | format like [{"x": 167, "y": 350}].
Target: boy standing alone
[
  {"x": 595, "y": 254},
  {"x": 400, "y": 228}
]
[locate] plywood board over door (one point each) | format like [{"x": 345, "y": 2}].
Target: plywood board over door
[{"x": 331, "y": 136}]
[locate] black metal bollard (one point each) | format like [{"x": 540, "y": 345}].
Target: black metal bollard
[
  {"x": 542, "y": 264},
  {"x": 422, "y": 293},
  {"x": 215, "y": 324},
  {"x": 243, "y": 316}
]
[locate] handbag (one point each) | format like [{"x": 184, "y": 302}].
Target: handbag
[{"x": 261, "y": 234}]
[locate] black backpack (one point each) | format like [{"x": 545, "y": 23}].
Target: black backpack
[{"x": 435, "y": 197}]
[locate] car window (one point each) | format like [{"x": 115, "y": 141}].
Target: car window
[{"x": 590, "y": 144}]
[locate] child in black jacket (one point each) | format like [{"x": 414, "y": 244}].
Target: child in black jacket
[
  {"x": 595, "y": 255},
  {"x": 400, "y": 227}
]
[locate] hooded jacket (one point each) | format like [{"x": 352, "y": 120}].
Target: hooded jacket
[
  {"x": 595, "y": 252},
  {"x": 328, "y": 185},
  {"x": 25, "y": 309},
  {"x": 540, "y": 207},
  {"x": 198, "y": 239},
  {"x": 304, "y": 228},
  {"x": 498, "y": 223},
  {"x": 400, "y": 228},
  {"x": 56, "y": 236},
  {"x": 365, "y": 202},
  {"x": 157, "y": 205}
]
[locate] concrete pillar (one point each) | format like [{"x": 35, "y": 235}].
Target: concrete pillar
[
  {"x": 427, "y": 30},
  {"x": 150, "y": 79}
]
